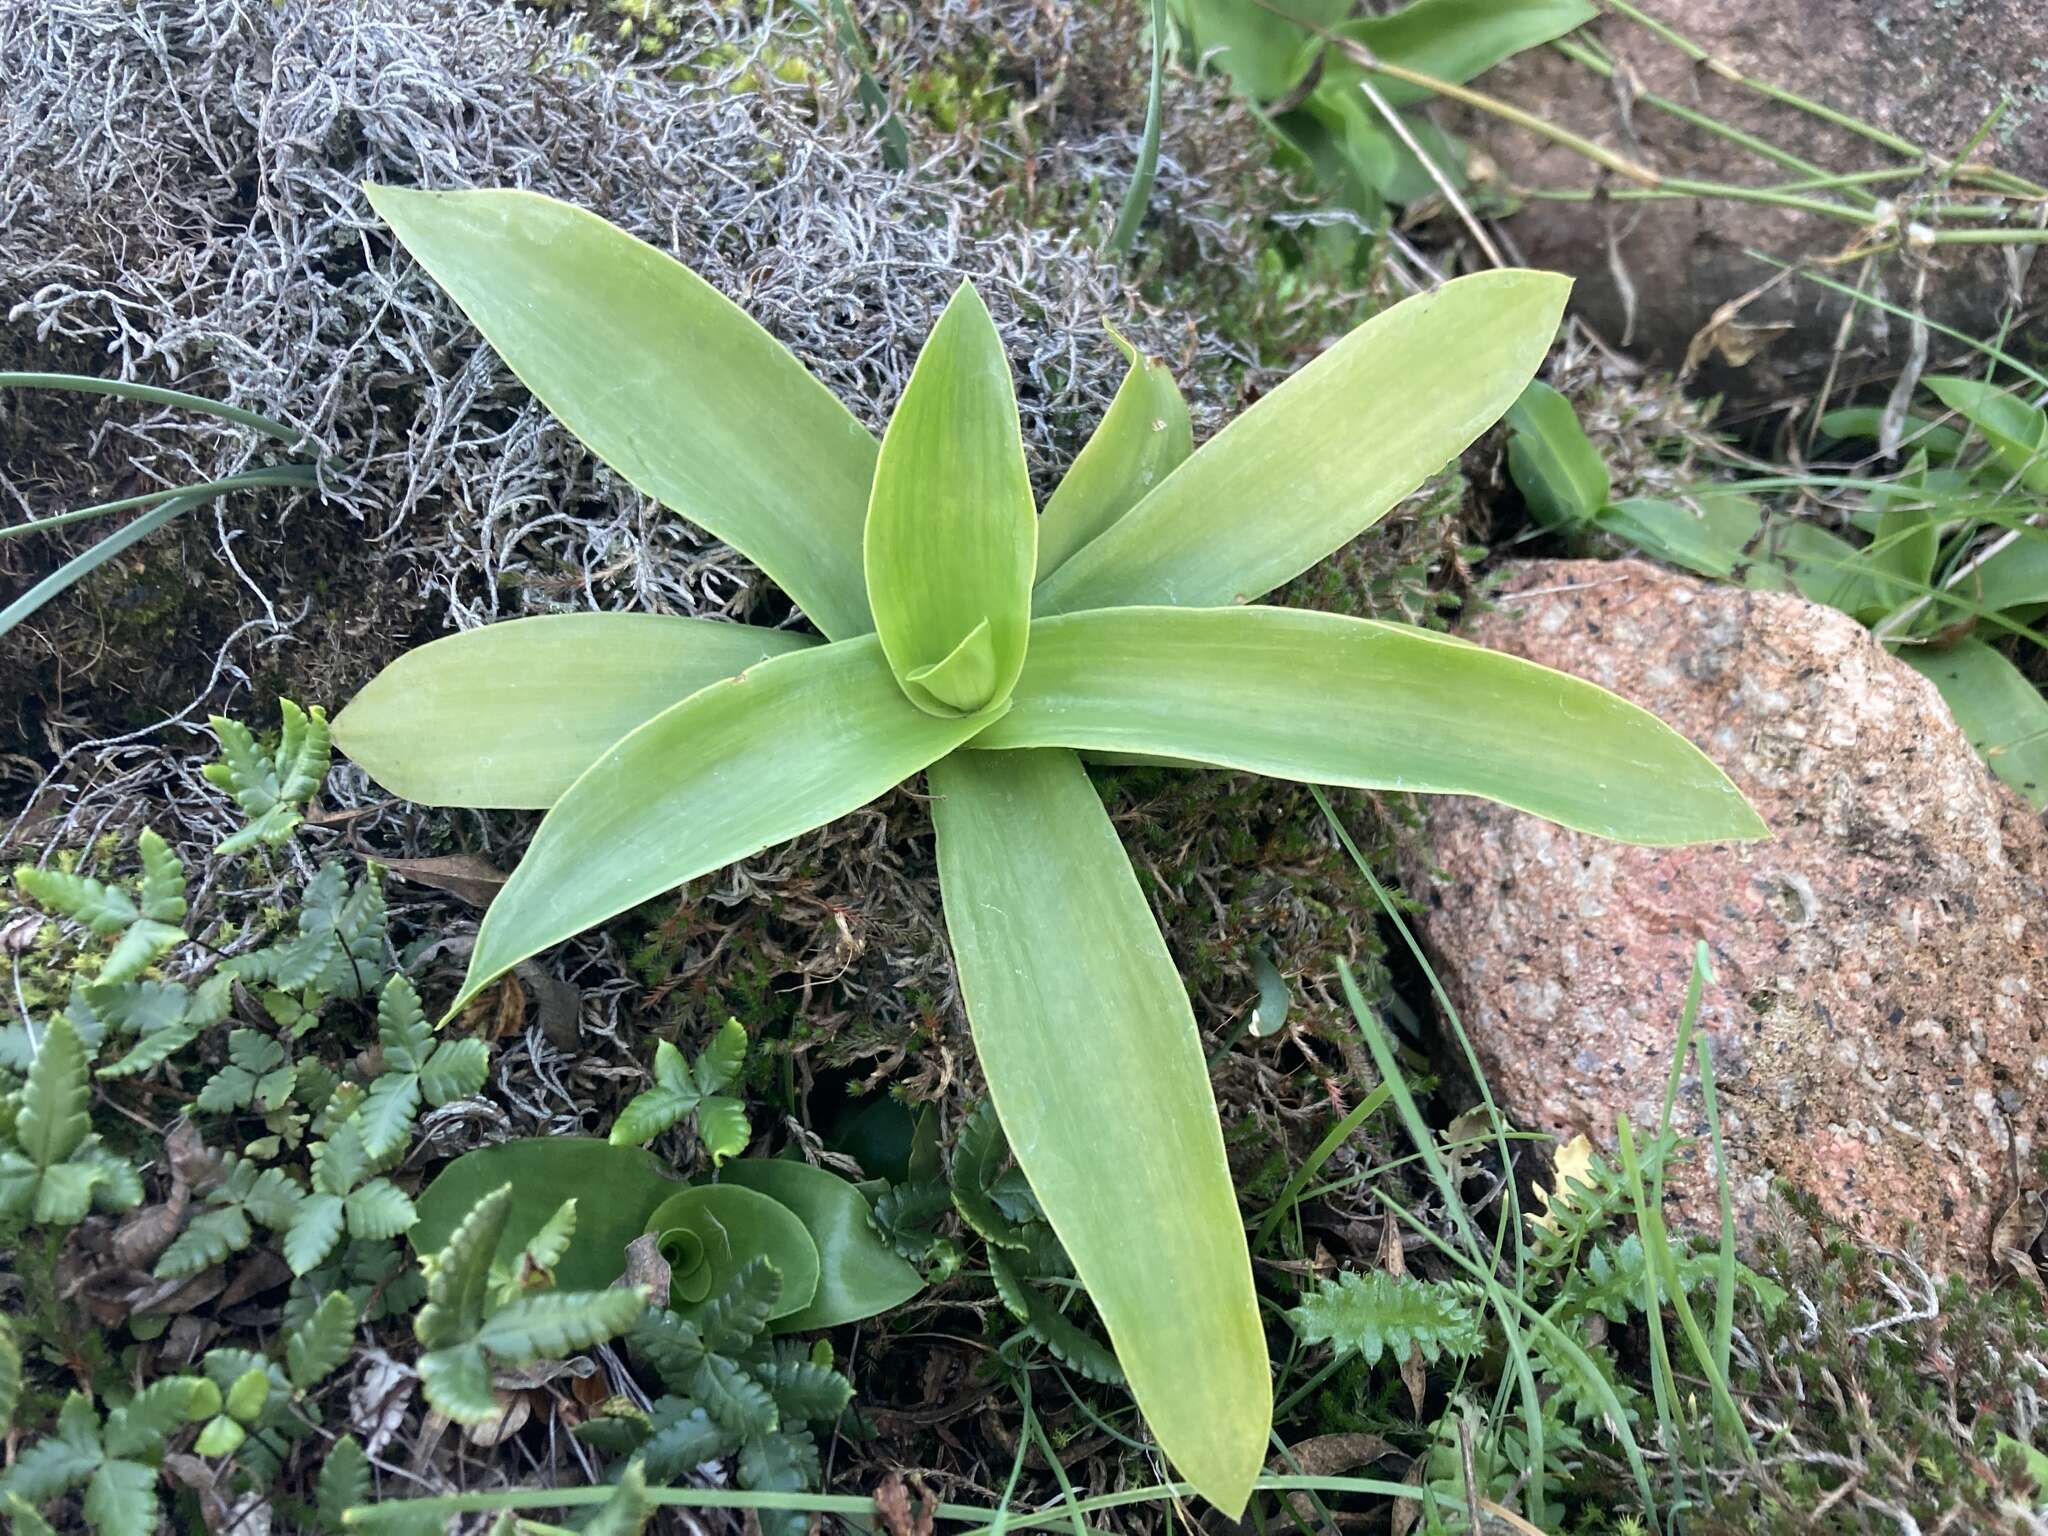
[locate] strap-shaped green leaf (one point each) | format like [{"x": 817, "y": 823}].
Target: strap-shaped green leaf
[
  {"x": 1336, "y": 700},
  {"x": 509, "y": 715},
  {"x": 1096, "y": 1069},
  {"x": 1326, "y": 454},
  {"x": 662, "y": 377},
  {"x": 1142, "y": 438},
  {"x": 951, "y": 533},
  {"x": 1999, "y": 709},
  {"x": 737, "y": 767}
]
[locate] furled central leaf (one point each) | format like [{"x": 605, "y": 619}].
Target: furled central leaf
[{"x": 952, "y": 539}]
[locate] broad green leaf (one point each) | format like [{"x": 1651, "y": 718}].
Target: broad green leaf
[
  {"x": 709, "y": 1233},
  {"x": 858, "y": 1275},
  {"x": 1451, "y": 40},
  {"x": 1325, "y": 455},
  {"x": 1556, "y": 467},
  {"x": 1260, "y": 47},
  {"x": 509, "y": 715},
  {"x": 544, "y": 1171},
  {"x": 952, "y": 534},
  {"x": 1335, "y": 700},
  {"x": 1866, "y": 421},
  {"x": 2017, "y": 431},
  {"x": 721, "y": 1059},
  {"x": 735, "y": 768},
  {"x": 1902, "y": 554},
  {"x": 722, "y": 1127},
  {"x": 2002, "y": 713},
  {"x": 1097, "y": 1070},
  {"x": 1141, "y": 439},
  {"x": 662, "y": 377}
]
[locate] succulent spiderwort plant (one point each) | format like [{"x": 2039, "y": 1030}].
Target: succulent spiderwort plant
[{"x": 972, "y": 639}]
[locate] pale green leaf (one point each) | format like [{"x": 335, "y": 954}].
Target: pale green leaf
[
  {"x": 663, "y": 378},
  {"x": 735, "y": 768},
  {"x": 1450, "y": 40},
  {"x": 951, "y": 540},
  {"x": 1141, "y": 439},
  {"x": 385, "y": 1120},
  {"x": 648, "y": 1114},
  {"x": 715, "y": 1235},
  {"x": 1073, "y": 998},
  {"x": 1325, "y": 455},
  {"x": 509, "y": 715},
  {"x": 2017, "y": 431},
  {"x": 1336, "y": 700},
  {"x": 141, "y": 946},
  {"x": 250, "y": 1392},
  {"x": 221, "y": 1437},
  {"x": 455, "y": 1069},
  {"x": 10, "y": 1377},
  {"x": 2002, "y": 713},
  {"x": 209, "y": 1237},
  {"x": 1556, "y": 467},
  {"x": 139, "y": 1427}
]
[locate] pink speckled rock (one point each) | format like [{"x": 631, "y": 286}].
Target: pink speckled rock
[{"x": 1880, "y": 1010}]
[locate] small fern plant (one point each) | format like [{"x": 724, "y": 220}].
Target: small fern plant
[
  {"x": 684, "y": 1089},
  {"x": 469, "y": 1328},
  {"x": 731, "y": 1390}
]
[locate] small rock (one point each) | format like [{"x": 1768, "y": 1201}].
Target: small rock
[{"x": 1879, "y": 1013}]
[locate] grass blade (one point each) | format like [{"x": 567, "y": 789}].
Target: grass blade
[
  {"x": 78, "y": 568},
  {"x": 149, "y": 394},
  {"x": 1095, "y": 1065},
  {"x": 1139, "y": 193}
]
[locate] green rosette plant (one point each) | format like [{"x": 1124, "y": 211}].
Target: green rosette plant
[{"x": 967, "y": 637}]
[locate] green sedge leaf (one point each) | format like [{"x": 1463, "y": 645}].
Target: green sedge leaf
[
  {"x": 662, "y": 377},
  {"x": 1334, "y": 700},
  {"x": 2015, "y": 577},
  {"x": 2017, "y": 431},
  {"x": 544, "y": 1171},
  {"x": 454, "y": 722},
  {"x": 2002, "y": 713},
  {"x": 858, "y": 1275},
  {"x": 952, "y": 535},
  {"x": 1073, "y": 998},
  {"x": 1450, "y": 40},
  {"x": 735, "y": 768},
  {"x": 1325, "y": 455},
  {"x": 1555, "y": 465},
  {"x": 1142, "y": 438}
]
